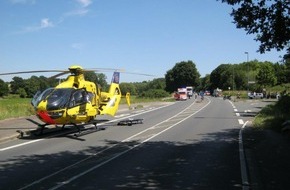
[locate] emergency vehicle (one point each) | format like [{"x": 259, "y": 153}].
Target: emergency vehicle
[{"x": 181, "y": 94}]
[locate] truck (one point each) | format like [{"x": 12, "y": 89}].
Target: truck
[
  {"x": 189, "y": 90},
  {"x": 181, "y": 94}
]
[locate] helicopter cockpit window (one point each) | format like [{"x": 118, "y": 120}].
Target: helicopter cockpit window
[
  {"x": 58, "y": 98},
  {"x": 39, "y": 96},
  {"x": 79, "y": 97}
]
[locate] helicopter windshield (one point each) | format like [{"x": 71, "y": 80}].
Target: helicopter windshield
[
  {"x": 59, "y": 98},
  {"x": 39, "y": 96}
]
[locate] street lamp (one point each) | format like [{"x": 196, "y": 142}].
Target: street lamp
[{"x": 247, "y": 69}]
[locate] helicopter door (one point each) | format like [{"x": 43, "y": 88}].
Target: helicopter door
[{"x": 80, "y": 105}]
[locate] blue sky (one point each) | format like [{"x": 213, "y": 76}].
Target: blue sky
[{"x": 145, "y": 36}]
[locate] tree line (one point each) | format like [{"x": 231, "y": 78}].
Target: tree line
[{"x": 252, "y": 75}]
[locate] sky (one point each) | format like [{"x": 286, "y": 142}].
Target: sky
[{"x": 142, "y": 36}]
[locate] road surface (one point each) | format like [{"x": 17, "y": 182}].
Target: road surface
[{"x": 184, "y": 145}]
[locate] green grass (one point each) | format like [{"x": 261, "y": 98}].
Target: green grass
[
  {"x": 272, "y": 116},
  {"x": 15, "y": 107}
]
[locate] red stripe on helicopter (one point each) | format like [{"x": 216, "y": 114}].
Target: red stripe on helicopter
[{"x": 44, "y": 115}]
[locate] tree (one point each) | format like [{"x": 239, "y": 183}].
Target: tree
[
  {"x": 16, "y": 83},
  {"x": 127, "y": 87},
  {"x": 22, "y": 93},
  {"x": 102, "y": 80},
  {"x": 32, "y": 85},
  {"x": 266, "y": 75},
  {"x": 158, "y": 83},
  {"x": 4, "y": 90},
  {"x": 280, "y": 73},
  {"x": 217, "y": 76},
  {"x": 268, "y": 19},
  {"x": 181, "y": 75},
  {"x": 97, "y": 78},
  {"x": 205, "y": 82}
]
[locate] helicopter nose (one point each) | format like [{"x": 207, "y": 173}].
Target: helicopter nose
[{"x": 45, "y": 117}]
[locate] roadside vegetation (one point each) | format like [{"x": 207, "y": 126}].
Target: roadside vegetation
[
  {"x": 12, "y": 107},
  {"x": 274, "y": 115}
]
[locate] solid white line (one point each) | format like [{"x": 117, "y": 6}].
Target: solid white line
[
  {"x": 121, "y": 153},
  {"x": 33, "y": 141},
  {"x": 70, "y": 166},
  {"x": 244, "y": 173},
  {"x": 22, "y": 144}
]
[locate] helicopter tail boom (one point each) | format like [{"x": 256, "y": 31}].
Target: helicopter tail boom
[{"x": 110, "y": 100}]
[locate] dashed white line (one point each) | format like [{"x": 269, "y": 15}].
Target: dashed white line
[
  {"x": 244, "y": 173},
  {"x": 241, "y": 122}
]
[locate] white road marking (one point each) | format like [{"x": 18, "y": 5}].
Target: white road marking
[
  {"x": 243, "y": 164},
  {"x": 244, "y": 173},
  {"x": 131, "y": 148},
  {"x": 18, "y": 145},
  {"x": 126, "y": 116},
  {"x": 116, "y": 156}
]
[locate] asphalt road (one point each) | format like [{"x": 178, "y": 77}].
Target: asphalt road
[{"x": 186, "y": 145}]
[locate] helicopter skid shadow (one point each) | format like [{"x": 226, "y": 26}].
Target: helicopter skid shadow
[
  {"x": 46, "y": 132},
  {"x": 52, "y": 131}
]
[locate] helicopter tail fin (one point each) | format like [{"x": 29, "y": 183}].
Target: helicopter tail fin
[{"x": 110, "y": 100}]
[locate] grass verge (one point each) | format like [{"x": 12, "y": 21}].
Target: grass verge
[
  {"x": 15, "y": 107},
  {"x": 273, "y": 116}
]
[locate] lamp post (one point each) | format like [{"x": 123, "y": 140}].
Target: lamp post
[{"x": 247, "y": 70}]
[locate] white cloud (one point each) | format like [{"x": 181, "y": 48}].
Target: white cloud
[
  {"x": 22, "y": 1},
  {"x": 81, "y": 9},
  {"x": 44, "y": 23},
  {"x": 84, "y": 3},
  {"x": 77, "y": 12}
]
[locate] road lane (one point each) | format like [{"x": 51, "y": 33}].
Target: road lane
[
  {"x": 52, "y": 154},
  {"x": 199, "y": 153},
  {"x": 171, "y": 150}
]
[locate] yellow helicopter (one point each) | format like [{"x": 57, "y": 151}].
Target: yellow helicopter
[{"x": 75, "y": 101}]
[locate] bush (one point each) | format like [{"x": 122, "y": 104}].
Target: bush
[
  {"x": 155, "y": 93},
  {"x": 283, "y": 107},
  {"x": 272, "y": 116},
  {"x": 22, "y": 93}
]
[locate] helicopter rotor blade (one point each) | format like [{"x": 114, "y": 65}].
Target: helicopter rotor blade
[
  {"x": 118, "y": 70},
  {"x": 103, "y": 69},
  {"x": 59, "y": 74},
  {"x": 144, "y": 74},
  {"x": 63, "y": 72},
  {"x": 39, "y": 71}
]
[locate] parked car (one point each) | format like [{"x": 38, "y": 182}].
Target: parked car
[{"x": 254, "y": 95}]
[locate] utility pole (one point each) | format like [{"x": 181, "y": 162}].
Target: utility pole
[{"x": 247, "y": 70}]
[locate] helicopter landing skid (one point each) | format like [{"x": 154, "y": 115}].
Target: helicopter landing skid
[
  {"x": 88, "y": 130},
  {"x": 130, "y": 121}
]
